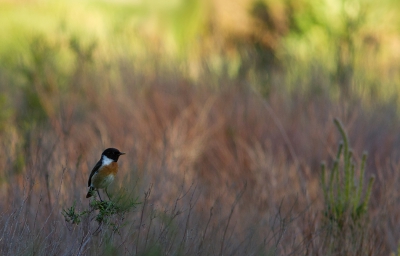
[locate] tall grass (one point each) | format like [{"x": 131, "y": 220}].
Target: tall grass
[
  {"x": 196, "y": 148},
  {"x": 223, "y": 150}
]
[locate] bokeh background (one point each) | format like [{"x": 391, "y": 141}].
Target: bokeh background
[{"x": 225, "y": 109}]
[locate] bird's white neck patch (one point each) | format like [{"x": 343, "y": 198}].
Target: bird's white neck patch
[{"x": 106, "y": 161}]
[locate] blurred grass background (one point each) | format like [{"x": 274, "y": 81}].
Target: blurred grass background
[{"x": 219, "y": 93}]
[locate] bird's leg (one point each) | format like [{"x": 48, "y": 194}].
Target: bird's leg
[
  {"x": 99, "y": 195},
  {"x": 107, "y": 194}
]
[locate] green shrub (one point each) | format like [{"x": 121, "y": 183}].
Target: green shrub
[
  {"x": 346, "y": 207},
  {"x": 105, "y": 211}
]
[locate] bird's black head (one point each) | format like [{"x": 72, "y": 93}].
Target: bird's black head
[{"x": 112, "y": 153}]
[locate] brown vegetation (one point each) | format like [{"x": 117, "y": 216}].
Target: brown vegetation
[
  {"x": 225, "y": 125},
  {"x": 230, "y": 172}
]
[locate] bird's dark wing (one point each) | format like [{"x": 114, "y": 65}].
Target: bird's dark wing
[{"x": 95, "y": 169}]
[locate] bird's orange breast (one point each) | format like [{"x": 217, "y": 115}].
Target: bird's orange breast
[
  {"x": 108, "y": 169},
  {"x": 105, "y": 175}
]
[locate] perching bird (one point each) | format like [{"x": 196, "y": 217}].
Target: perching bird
[{"x": 104, "y": 171}]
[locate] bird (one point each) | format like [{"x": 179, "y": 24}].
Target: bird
[{"x": 104, "y": 171}]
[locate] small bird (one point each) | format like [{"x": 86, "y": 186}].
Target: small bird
[{"x": 104, "y": 171}]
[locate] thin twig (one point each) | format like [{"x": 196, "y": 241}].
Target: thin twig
[
  {"x": 146, "y": 197},
  {"x": 238, "y": 196}
]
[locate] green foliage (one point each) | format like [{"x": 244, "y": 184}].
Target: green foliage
[
  {"x": 346, "y": 207},
  {"x": 5, "y": 112},
  {"x": 338, "y": 44},
  {"x": 104, "y": 211},
  {"x": 334, "y": 45},
  {"x": 343, "y": 190},
  {"x": 72, "y": 216},
  {"x": 42, "y": 71},
  {"x": 117, "y": 207}
]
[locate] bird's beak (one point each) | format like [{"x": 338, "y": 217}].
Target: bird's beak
[{"x": 121, "y": 153}]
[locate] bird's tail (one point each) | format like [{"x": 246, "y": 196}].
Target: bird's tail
[{"x": 90, "y": 192}]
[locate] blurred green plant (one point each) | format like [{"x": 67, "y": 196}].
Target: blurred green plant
[
  {"x": 343, "y": 190},
  {"x": 5, "y": 112},
  {"x": 333, "y": 46},
  {"x": 346, "y": 208},
  {"x": 42, "y": 71}
]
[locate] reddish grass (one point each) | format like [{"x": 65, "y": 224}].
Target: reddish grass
[{"x": 235, "y": 172}]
